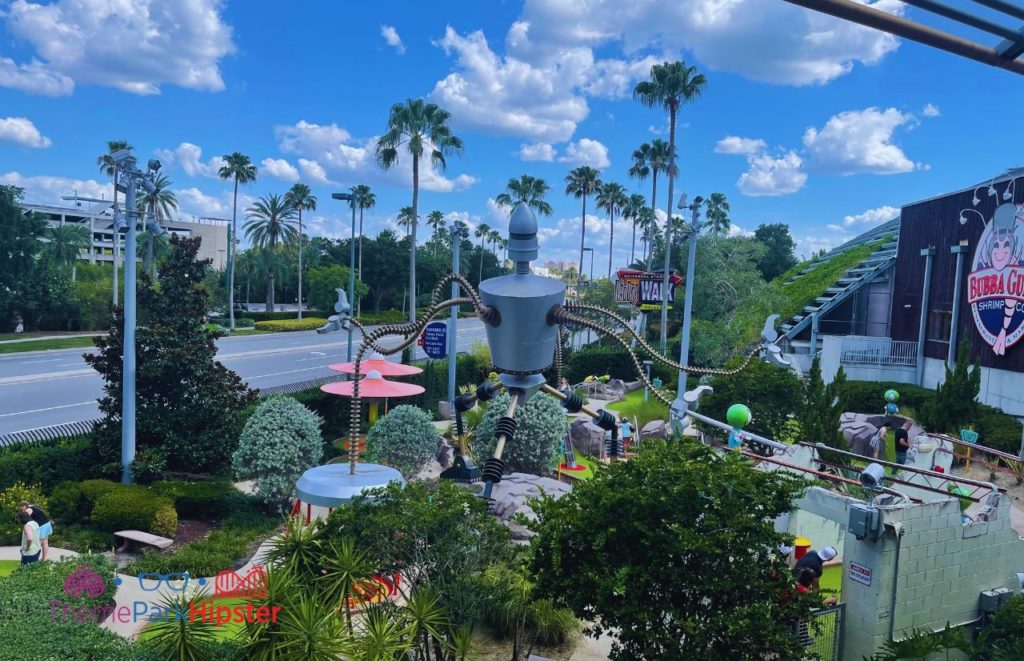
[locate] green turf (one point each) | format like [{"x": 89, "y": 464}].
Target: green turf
[
  {"x": 224, "y": 632},
  {"x": 634, "y": 405},
  {"x": 581, "y": 460},
  {"x": 832, "y": 580},
  {"x": 44, "y": 345},
  {"x": 7, "y": 566}
]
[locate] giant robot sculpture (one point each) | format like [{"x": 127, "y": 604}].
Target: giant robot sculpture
[{"x": 523, "y": 316}]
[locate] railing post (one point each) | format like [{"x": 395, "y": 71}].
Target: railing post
[{"x": 927, "y": 253}]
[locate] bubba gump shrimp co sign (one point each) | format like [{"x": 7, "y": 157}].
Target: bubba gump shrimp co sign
[{"x": 995, "y": 286}]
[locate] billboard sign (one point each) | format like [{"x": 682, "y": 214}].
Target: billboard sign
[
  {"x": 995, "y": 285},
  {"x": 642, "y": 289}
]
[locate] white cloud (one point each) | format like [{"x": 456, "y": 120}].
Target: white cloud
[
  {"x": 329, "y": 154},
  {"x": 189, "y": 157},
  {"x": 49, "y": 190},
  {"x": 732, "y": 144},
  {"x": 21, "y": 131},
  {"x": 279, "y": 168},
  {"x": 586, "y": 152},
  {"x": 194, "y": 202},
  {"x": 808, "y": 244},
  {"x": 540, "y": 151},
  {"x": 390, "y": 35},
  {"x": 930, "y": 110},
  {"x": 658, "y": 130},
  {"x": 835, "y": 228},
  {"x": 132, "y": 46},
  {"x": 34, "y": 78},
  {"x": 860, "y": 141},
  {"x": 771, "y": 176},
  {"x": 736, "y": 230},
  {"x": 871, "y": 217},
  {"x": 614, "y": 79}
]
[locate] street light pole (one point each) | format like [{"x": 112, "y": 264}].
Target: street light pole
[
  {"x": 679, "y": 406},
  {"x": 347, "y": 197}
]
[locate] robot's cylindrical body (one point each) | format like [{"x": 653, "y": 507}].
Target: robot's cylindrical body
[{"x": 523, "y": 342}]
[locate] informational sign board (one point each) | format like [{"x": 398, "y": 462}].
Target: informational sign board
[
  {"x": 995, "y": 285},
  {"x": 643, "y": 289},
  {"x": 435, "y": 339},
  {"x": 860, "y": 574}
]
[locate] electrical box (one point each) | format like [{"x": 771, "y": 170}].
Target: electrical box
[
  {"x": 990, "y": 600},
  {"x": 865, "y": 522}
]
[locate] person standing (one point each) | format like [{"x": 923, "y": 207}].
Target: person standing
[
  {"x": 36, "y": 513},
  {"x": 626, "y": 433},
  {"x": 30, "y": 547},
  {"x": 902, "y": 440}
]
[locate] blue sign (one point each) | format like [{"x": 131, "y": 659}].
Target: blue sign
[{"x": 435, "y": 339}]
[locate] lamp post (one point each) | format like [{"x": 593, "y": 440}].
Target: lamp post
[
  {"x": 347, "y": 197},
  {"x": 679, "y": 407},
  {"x": 133, "y": 178}
]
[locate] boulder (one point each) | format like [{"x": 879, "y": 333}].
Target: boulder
[
  {"x": 615, "y": 388},
  {"x": 634, "y": 385},
  {"x": 859, "y": 428},
  {"x": 587, "y": 438},
  {"x": 655, "y": 429},
  {"x": 445, "y": 452},
  {"x": 512, "y": 497}
]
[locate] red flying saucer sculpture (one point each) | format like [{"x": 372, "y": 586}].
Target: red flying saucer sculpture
[{"x": 375, "y": 363}]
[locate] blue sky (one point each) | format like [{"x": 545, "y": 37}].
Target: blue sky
[{"x": 806, "y": 120}]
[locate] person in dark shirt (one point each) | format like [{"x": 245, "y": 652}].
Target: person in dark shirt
[
  {"x": 902, "y": 436},
  {"x": 814, "y": 560},
  {"x": 45, "y": 525}
]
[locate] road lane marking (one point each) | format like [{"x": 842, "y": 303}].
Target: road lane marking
[
  {"x": 48, "y": 360},
  {"x": 30, "y": 378},
  {"x": 49, "y": 408},
  {"x": 263, "y": 376}
]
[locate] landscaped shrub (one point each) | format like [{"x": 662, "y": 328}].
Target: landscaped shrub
[
  {"x": 282, "y": 325},
  {"x": 404, "y": 438},
  {"x": 616, "y": 363},
  {"x": 68, "y": 504},
  {"x": 333, "y": 410},
  {"x": 773, "y": 395},
  {"x": 997, "y": 430},
  {"x": 10, "y": 529},
  {"x": 134, "y": 508},
  {"x": 82, "y": 538},
  {"x": 28, "y": 627},
  {"x": 245, "y": 322},
  {"x": 1002, "y": 637},
  {"x": 47, "y": 463},
  {"x": 541, "y": 425},
  {"x": 211, "y": 499},
  {"x": 93, "y": 490},
  {"x": 279, "y": 442},
  {"x": 149, "y": 465}
]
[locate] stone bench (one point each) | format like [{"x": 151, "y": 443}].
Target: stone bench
[{"x": 142, "y": 538}]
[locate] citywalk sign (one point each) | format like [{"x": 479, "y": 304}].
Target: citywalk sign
[{"x": 642, "y": 289}]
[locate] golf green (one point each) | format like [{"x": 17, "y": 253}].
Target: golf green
[{"x": 7, "y": 566}]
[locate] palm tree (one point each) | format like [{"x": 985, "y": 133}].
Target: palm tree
[
  {"x": 528, "y": 190},
  {"x": 246, "y": 265},
  {"x": 65, "y": 244},
  {"x": 158, "y": 203},
  {"x": 418, "y": 126},
  {"x": 647, "y": 222},
  {"x": 481, "y": 232},
  {"x": 109, "y": 168},
  {"x": 611, "y": 197},
  {"x": 238, "y": 167},
  {"x": 300, "y": 198},
  {"x": 363, "y": 199},
  {"x": 405, "y": 219},
  {"x": 631, "y": 210},
  {"x": 718, "y": 213},
  {"x": 671, "y": 85},
  {"x": 580, "y": 183},
  {"x": 504, "y": 246},
  {"x": 436, "y": 222},
  {"x": 494, "y": 238},
  {"x": 269, "y": 226},
  {"x": 651, "y": 159}
]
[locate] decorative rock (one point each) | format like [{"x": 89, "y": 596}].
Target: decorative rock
[
  {"x": 587, "y": 438},
  {"x": 655, "y": 429},
  {"x": 445, "y": 452},
  {"x": 859, "y": 428},
  {"x": 512, "y": 497}
]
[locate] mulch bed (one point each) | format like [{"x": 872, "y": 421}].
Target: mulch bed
[{"x": 190, "y": 531}]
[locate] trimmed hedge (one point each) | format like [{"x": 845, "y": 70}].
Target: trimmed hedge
[
  {"x": 258, "y": 315},
  {"x": 68, "y": 503},
  {"x": 615, "y": 362},
  {"x": 135, "y": 508},
  {"x": 48, "y": 463},
  {"x": 213, "y": 499},
  {"x": 288, "y": 325}
]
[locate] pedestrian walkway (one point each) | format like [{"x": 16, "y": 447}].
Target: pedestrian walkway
[{"x": 14, "y": 553}]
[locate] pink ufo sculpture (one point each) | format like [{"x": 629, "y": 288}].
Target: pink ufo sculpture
[
  {"x": 374, "y": 386},
  {"x": 375, "y": 363}
]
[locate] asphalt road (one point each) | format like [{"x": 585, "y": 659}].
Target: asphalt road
[{"x": 45, "y": 388}]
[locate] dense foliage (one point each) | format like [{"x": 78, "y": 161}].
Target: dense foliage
[
  {"x": 819, "y": 417},
  {"x": 774, "y": 395},
  {"x": 189, "y": 406},
  {"x": 955, "y": 402},
  {"x": 541, "y": 426},
  {"x": 10, "y": 529},
  {"x": 405, "y": 438},
  {"x": 671, "y": 555},
  {"x": 280, "y": 441},
  {"x": 48, "y": 463}
]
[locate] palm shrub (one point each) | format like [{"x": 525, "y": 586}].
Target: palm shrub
[
  {"x": 279, "y": 442},
  {"x": 541, "y": 425},
  {"x": 405, "y": 438},
  {"x": 181, "y": 638}
]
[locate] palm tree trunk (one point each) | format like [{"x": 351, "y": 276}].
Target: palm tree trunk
[
  {"x": 611, "y": 240},
  {"x": 270, "y": 291},
  {"x": 412, "y": 233},
  {"x": 300, "y": 264},
  {"x": 668, "y": 226},
  {"x": 231, "y": 257},
  {"x": 359, "y": 299},
  {"x": 583, "y": 237}
]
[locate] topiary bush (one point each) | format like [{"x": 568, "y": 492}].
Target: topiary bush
[
  {"x": 287, "y": 325},
  {"x": 404, "y": 438},
  {"x": 93, "y": 490},
  {"x": 10, "y": 529},
  {"x": 135, "y": 508},
  {"x": 68, "y": 504},
  {"x": 541, "y": 426},
  {"x": 279, "y": 442},
  {"x": 211, "y": 499}
]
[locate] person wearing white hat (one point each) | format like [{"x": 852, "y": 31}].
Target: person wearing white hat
[{"x": 815, "y": 561}]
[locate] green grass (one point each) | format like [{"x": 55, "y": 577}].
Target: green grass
[
  {"x": 227, "y": 631},
  {"x": 832, "y": 581},
  {"x": 46, "y": 345},
  {"x": 581, "y": 460},
  {"x": 7, "y": 566},
  {"x": 634, "y": 405}
]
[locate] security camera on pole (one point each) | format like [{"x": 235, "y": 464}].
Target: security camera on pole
[{"x": 132, "y": 178}]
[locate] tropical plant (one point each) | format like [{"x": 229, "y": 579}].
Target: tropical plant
[
  {"x": 419, "y": 127},
  {"x": 65, "y": 243},
  {"x": 300, "y": 198},
  {"x": 580, "y": 183},
  {"x": 651, "y": 159},
  {"x": 611, "y": 197},
  {"x": 279, "y": 442},
  {"x": 246, "y": 265},
  {"x": 239, "y": 168},
  {"x": 438, "y": 225},
  {"x": 159, "y": 203},
  {"x": 671, "y": 85},
  {"x": 718, "y": 213},
  {"x": 269, "y": 225},
  {"x": 108, "y": 167},
  {"x": 525, "y": 190},
  {"x": 482, "y": 231},
  {"x": 513, "y": 611},
  {"x": 631, "y": 211},
  {"x": 779, "y": 245},
  {"x": 344, "y": 575},
  {"x": 494, "y": 238},
  {"x": 363, "y": 199},
  {"x": 181, "y": 637},
  {"x": 540, "y": 427},
  {"x": 405, "y": 219},
  {"x": 648, "y": 224},
  {"x": 405, "y": 438}
]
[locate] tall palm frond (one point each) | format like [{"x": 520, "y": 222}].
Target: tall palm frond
[{"x": 580, "y": 183}]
